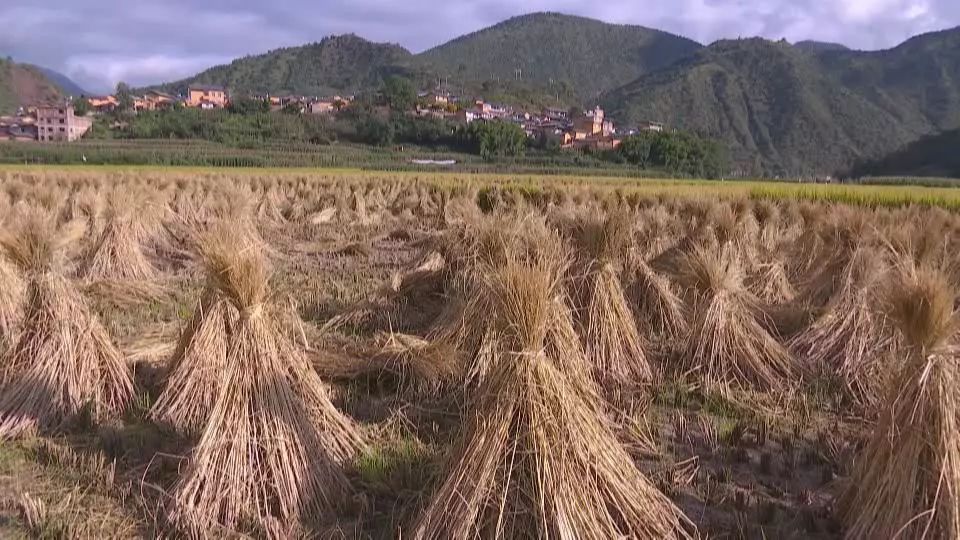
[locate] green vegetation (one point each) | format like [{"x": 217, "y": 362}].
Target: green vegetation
[
  {"x": 493, "y": 139},
  {"x": 678, "y": 152},
  {"x": 557, "y": 52},
  {"x": 398, "y": 93},
  {"x": 560, "y": 56},
  {"x": 241, "y": 130},
  {"x": 338, "y": 64},
  {"x": 934, "y": 155},
  {"x": 785, "y": 111}
]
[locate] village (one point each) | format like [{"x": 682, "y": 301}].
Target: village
[{"x": 563, "y": 128}]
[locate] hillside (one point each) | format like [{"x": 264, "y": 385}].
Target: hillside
[
  {"x": 783, "y": 110},
  {"x": 574, "y": 57},
  {"x": 933, "y": 155},
  {"x": 819, "y": 46},
  {"x": 22, "y": 85},
  {"x": 66, "y": 84},
  {"x": 338, "y": 64},
  {"x": 589, "y": 55}
]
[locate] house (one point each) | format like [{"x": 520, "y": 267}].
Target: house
[
  {"x": 436, "y": 99},
  {"x": 18, "y": 128},
  {"x": 206, "y": 96},
  {"x": 102, "y": 104},
  {"x": 554, "y": 113},
  {"x": 591, "y": 124},
  {"x": 59, "y": 123},
  {"x": 156, "y": 100},
  {"x": 594, "y": 142},
  {"x": 466, "y": 116},
  {"x": 322, "y": 107},
  {"x": 651, "y": 126}
]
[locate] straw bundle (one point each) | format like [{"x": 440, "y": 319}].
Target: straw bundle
[
  {"x": 117, "y": 251},
  {"x": 273, "y": 442},
  {"x": 63, "y": 359},
  {"x": 612, "y": 340},
  {"x": 12, "y": 291},
  {"x": 906, "y": 484},
  {"x": 849, "y": 339},
  {"x": 196, "y": 368},
  {"x": 728, "y": 346},
  {"x": 655, "y": 302},
  {"x": 537, "y": 458}
]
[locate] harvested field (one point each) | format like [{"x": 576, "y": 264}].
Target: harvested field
[{"x": 343, "y": 354}]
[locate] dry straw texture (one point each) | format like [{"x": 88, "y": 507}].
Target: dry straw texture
[
  {"x": 534, "y": 428},
  {"x": 273, "y": 443},
  {"x": 906, "y": 483},
  {"x": 63, "y": 359},
  {"x": 728, "y": 346}
]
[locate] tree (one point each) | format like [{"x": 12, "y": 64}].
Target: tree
[
  {"x": 494, "y": 138},
  {"x": 373, "y": 130},
  {"x": 291, "y": 108},
  {"x": 80, "y": 106},
  {"x": 399, "y": 94},
  {"x": 124, "y": 98},
  {"x": 246, "y": 105},
  {"x": 676, "y": 152}
]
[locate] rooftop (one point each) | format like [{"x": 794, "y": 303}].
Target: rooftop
[{"x": 206, "y": 87}]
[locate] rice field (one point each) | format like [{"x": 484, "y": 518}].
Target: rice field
[{"x": 346, "y": 354}]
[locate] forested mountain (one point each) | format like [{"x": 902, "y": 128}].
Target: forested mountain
[
  {"x": 337, "y": 64},
  {"x": 22, "y": 85},
  {"x": 784, "y": 110},
  {"x": 558, "y": 54},
  {"x": 933, "y": 155},
  {"x": 553, "y": 49},
  {"x": 819, "y": 46},
  {"x": 66, "y": 84},
  {"x": 808, "y": 108}
]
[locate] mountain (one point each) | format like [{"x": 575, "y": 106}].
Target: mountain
[
  {"x": 22, "y": 85},
  {"x": 337, "y": 64},
  {"x": 783, "y": 110},
  {"x": 589, "y": 55},
  {"x": 558, "y": 54},
  {"x": 933, "y": 155},
  {"x": 66, "y": 84},
  {"x": 819, "y": 46}
]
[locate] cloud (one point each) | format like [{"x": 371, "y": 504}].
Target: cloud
[{"x": 101, "y": 42}]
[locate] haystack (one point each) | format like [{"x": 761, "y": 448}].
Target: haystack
[
  {"x": 612, "y": 341},
  {"x": 727, "y": 345},
  {"x": 849, "y": 339},
  {"x": 63, "y": 360},
  {"x": 906, "y": 483},
  {"x": 537, "y": 458},
  {"x": 273, "y": 444},
  {"x": 117, "y": 250},
  {"x": 12, "y": 295},
  {"x": 197, "y": 365},
  {"x": 464, "y": 325},
  {"x": 656, "y": 303}
]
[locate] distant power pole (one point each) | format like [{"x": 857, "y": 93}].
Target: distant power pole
[{"x": 519, "y": 73}]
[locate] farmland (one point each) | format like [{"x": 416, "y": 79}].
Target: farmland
[{"x": 359, "y": 354}]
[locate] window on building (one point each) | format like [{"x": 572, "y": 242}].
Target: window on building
[
  {"x": 61, "y": 120},
  {"x": 62, "y": 130},
  {"x": 60, "y": 111}
]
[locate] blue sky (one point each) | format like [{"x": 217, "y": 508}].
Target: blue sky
[{"x": 98, "y": 43}]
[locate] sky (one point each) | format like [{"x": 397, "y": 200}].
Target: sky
[{"x": 98, "y": 43}]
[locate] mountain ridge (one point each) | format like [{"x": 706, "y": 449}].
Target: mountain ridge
[{"x": 784, "y": 111}]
